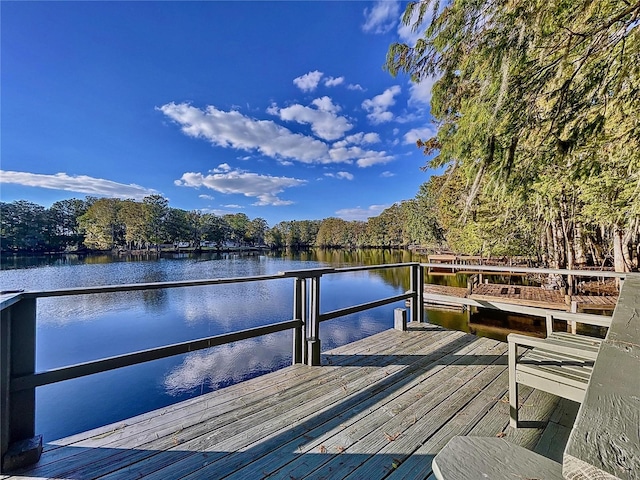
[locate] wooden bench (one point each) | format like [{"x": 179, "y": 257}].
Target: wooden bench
[
  {"x": 604, "y": 442},
  {"x": 560, "y": 364}
]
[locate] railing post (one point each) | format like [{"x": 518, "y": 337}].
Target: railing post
[
  {"x": 417, "y": 286},
  {"x": 313, "y": 332},
  {"x": 400, "y": 319},
  {"x": 299, "y": 313},
  {"x": 18, "y": 442},
  {"x": 549, "y": 324}
]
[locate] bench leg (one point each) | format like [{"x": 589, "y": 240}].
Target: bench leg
[{"x": 513, "y": 386}]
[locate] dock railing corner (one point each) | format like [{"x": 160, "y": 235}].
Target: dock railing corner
[{"x": 19, "y": 444}]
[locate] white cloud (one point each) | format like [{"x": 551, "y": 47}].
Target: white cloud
[
  {"x": 382, "y": 17},
  {"x": 206, "y": 197},
  {"x": 333, "y": 82},
  {"x": 323, "y": 119},
  {"x": 424, "y": 133},
  {"x": 355, "y": 86},
  {"x": 233, "y": 205},
  {"x": 235, "y": 130},
  {"x": 344, "y": 175},
  {"x": 371, "y": 137},
  {"x": 273, "y": 109},
  {"x": 326, "y": 104},
  {"x": 387, "y": 174},
  {"x": 359, "y": 213},
  {"x": 358, "y": 139},
  {"x": 373, "y": 158},
  {"x": 364, "y": 158},
  {"x": 408, "y": 117},
  {"x": 263, "y": 187},
  {"x": 309, "y": 81},
  {"x": 377, "y": 107},
  {"x": 340, "y": 175},
  {"x": 216, "y": 211},
  {"x": 407, "y": 33},
  {"x": 420, "y": 93},
  {"x": 77, "y": 183}
]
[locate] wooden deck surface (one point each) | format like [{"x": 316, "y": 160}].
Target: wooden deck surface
[{"x": 381, "y": 407}]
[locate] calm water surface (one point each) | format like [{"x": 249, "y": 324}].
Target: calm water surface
[{"x": 76, "y": 329}]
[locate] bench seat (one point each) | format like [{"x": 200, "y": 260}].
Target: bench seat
[{"x": 468, "y": 458}]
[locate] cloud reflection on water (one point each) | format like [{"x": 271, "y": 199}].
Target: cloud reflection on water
[{"x": 227, "y": 364}]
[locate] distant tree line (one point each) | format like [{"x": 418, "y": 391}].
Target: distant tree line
[
  {"x": 434, "y": 219},
  {"x": 110, "y": 223}
]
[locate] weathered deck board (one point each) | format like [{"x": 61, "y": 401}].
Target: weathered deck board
[
  {"x": 459, "y": 292},
  {"x": 595, "y": 302},
  {"x": 520, "y": 295},
  {"x": 384, "y": 405}
]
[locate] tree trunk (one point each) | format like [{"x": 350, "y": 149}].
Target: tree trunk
[
  {"x": 627, "y": 244},
  {"x": 473, "y": 193},
  {"x": 619, "y": 262},
  {"x": 578, "y": 244},
  {"x": 550, "y": 252},
  {"x": 558, "y": 252},
  {"x": 566, "y": 222}
]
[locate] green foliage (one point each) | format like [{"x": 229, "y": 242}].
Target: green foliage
[
  {"x": 101, "y": 224},
  {"x": 533, "y": 100},
  {"x": 156, "y": 209},
  {"x": 293, "y": 234}
]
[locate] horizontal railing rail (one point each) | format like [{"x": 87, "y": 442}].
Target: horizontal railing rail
[
  {"x": 133, "y": 287},
  {"x": 509, "y": 269},
  {"x": 126, "y": 360},
  {"x": 364, "y": 306}
]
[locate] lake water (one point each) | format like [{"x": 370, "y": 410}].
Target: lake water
[{"x": 87, "y": 327}]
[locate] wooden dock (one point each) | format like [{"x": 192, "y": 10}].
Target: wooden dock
[
  {"x": 595, "y": 302},
  {"x": 522, "y": 295},
  {"x": 381, "y": 407}
]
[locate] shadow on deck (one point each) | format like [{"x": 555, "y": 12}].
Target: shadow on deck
[{"x": 378, "y": 408}]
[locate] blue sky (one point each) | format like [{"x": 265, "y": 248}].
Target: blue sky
[{"x": 279, "y": 110}]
